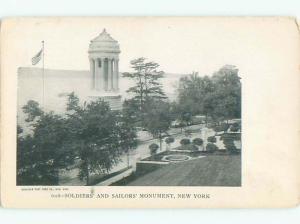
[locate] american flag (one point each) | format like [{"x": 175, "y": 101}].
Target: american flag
[{"x": 37, "y": 57}]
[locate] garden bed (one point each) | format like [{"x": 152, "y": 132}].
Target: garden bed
[{"x": 159, "y": 156}]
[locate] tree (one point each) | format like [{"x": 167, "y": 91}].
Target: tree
[
  {"x": 169, "y": 140},
  {"x": 183, "y": 113},
  {"x": 32, "y": 110},
  {"x": 92, "y": 132},
  {"x": 94, "y": 135},
  {"x": 212, "y": 139},
  {"x": 42, "y": 154},
  {"x": 227, "y": 92},
  {"x": 198, "y": 141},
  {"x": 153, "y": 148},
  {"x": 147, "y": 86},
  {"x": 229, "y": 144},
  {"x": 218, "y": 96},
  {"x": 192, "y": 91},
  {"x": 127, "y": 131},
  {"x": 158, "y": 119},
  {"x": 185, "y": 141},
  {"x": 211, "y": 147}
]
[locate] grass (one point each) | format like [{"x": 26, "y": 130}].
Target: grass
[{"x": 211, "y": 170}]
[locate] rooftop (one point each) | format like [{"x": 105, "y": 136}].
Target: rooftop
[
  {"x": 104, "y": 37},
  {"x": 104, "y": 43}
]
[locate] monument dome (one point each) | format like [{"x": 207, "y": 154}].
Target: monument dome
[
  {"x": 104, "y": 63},
  {"x": 104, "y": 43}
]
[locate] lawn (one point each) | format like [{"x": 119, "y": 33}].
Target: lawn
[{"x": 212, "y": 170}]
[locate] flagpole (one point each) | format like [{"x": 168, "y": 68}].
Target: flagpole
[{"x": 43, "y": 74}]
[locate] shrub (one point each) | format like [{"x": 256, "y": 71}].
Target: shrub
[
  {"x": 185, "y": 141},
  {"x": 198, "y": 141},
  {"x": 153, "y": 148},
  {"x": 217, "y": 128},
  {"x": 221, "y": 127},
  {"x": 234, "y": 129},
  {"x": 212, "y": 139},
  {"x": 237, "y": 125},
  {"x": 230, "y": 146},
  {"x": 190, "y": 147},
  {"x": 224, "y": 126},
  {"x": 169, "y": 140},
  {"x": 210, "y": 147}
]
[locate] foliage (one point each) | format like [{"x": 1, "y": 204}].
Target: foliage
[
  {"x": 212, "y": 139},
  {"x": 182, "y": 113},
  {"x": 147, "y": 86},
  {"x": 91, "y": 132},
  {"x": 211, "y": 147},
  {"x": 41, "y": 155},
  {"x": 131, "y": 106},
  {"x": 169, "y": 140},
  {"x": 229, "y": 144},
  {"x": 192, "y": 90},
  {"x": 32, "y": 110},
  {"x": 218, "y": 96},
  {"x": 157, "y": 119},
  {"x": 127, "y": 131},
  {"x": 198, "y": 141},
  {"x": 153, "y": 148},
  {"x": 190, "y": 147},
  {"x": 96, "y": 135},
  {"x": 221, "y": 127},
  {"x": 235, "y": 127},
  {"x": 185, "y": 141}
]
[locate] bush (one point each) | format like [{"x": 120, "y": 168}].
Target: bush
[
  {"x": 237, "y": 125},
  {"x": 234, "y": 129},
  {"x": 230, "y": 146},
  {"x": 169, "y": 140},
  {"x": 210, "y": 147},
  {"x": 190, "y": 147},
  {"x": 153, "y": 148},
  {"x": 198, "y": 141},
  {"x": 185, "y": 141},
  {"x": 222, "y": 127},
  {"x": 217, "y": 128},
  {"x": 212, "y": 139}
]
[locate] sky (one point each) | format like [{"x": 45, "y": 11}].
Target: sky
[{"x": 179, "y": 45}]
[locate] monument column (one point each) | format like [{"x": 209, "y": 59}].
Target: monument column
[
  {"x": 92, "y": 68},
  {"x": 101, "y": 78},
  {"x": 116, "y": 74},
  {"x": 96, "y": 62},
  {"x": 109, "y": 74},
  {"x": 112, "y": 74}
]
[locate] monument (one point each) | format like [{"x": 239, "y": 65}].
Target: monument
[{"x": 104, "y": 69}]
